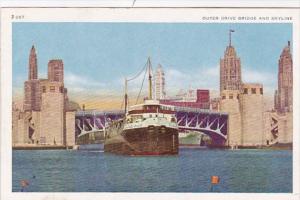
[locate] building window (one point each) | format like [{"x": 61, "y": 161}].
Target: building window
[
  {"x": 223, "y": 97},
  {"x": 44, "y": 89},
  {"x": 230, "y": 96},
  {"x": 52, "y": 88},
  {"x": 61, "y": 89},
  {"x": 253, "y": 90},
  {"x": 245, "y": 90},
  {"x": 261, "y": 91}
]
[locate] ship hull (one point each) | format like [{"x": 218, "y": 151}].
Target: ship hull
[{"x": 146, "y": 141}]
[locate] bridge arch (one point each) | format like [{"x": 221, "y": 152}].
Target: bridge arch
[{"x": 213, "y": 124}]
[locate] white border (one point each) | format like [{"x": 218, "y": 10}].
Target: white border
[
  {"x": 151, "y": 3},
  {"x": 129, "y": 15}
]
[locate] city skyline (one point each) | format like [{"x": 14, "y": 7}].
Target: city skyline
[{"x": 188, "y": 53}]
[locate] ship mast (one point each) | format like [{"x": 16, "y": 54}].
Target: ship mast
[
  {"x": 150, "y": 79},
  {"x": 126, "y": 96},
  {"x": 147, "y": 67}
]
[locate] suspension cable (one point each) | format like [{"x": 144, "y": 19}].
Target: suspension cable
[
  {"x": 141, "y": 87},
  {"x": 137, "y": 75}
]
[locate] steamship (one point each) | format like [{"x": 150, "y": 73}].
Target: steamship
[{"x": 149, "y": 128}]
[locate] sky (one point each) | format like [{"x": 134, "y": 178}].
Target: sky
[{"x": 98, "y": 56}]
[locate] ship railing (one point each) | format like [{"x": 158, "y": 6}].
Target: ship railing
[
  {"x": 99, "y": 112},
  {"x": 173, "y": 108}
]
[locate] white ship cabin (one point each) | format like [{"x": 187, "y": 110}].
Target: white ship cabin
[{"x": 151, "y": 109}]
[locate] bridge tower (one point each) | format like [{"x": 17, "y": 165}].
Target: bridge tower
[
  {"x": 52, "y": 114},
  {"x": 252, "y": 115},
  {"x": 230, "y": 103},
  {"x": 285, "y": 128}
]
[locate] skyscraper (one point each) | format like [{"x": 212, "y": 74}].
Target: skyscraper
[
  {"x": 32, "y": 98},
  {"x": 56, "y": 70},
  {"x": 230, "y": 69},
  {"x": 32, "y": 73},
  {"x": 285, "y": 81},
  {"x": 160, "y": 92}
]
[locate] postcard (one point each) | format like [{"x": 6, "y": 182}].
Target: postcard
[{"x": 181, "y": 103}]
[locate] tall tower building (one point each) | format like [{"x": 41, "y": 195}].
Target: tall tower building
[
  {"x": 230, "y": 69},
  {"x": 160, "y": 92},
  {"x": 56, "y": 70},
  {"x": 32, "y": 74},
  {"x": 32, "y": 94},
  {"x": 285, "y": 81}
]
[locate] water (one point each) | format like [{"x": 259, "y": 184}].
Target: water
[{"x": 190, "y": 171}]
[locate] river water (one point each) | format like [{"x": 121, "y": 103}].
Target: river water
[{"x": 190, "y": 171}]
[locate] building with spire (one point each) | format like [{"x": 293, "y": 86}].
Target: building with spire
[
  {"x": 46, "y": 118},
  {"x": 284, "y": 93},
  {"x": 230, "y": 69},
  {"x": 33, "y": 73},
  {"x": 32, "y": 99},
  {"x": 160, "y": 92},
  {"x": 242, "y": 101},
  {"x": 283, "y": 98}
]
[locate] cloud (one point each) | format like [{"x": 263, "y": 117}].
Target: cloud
[
  {"x": 250, "y": 75},
  {"x": 205, "y": 78},
  {"x": 79, "y": 83},
  {"x": 18, "y": 81},
  {"x": 209, "y": 78},
  {"x": 176, "y": 78},
  {"x": 268, "y": 79},
  {"x": 212, "y": 72},
  {"x": 86, "y": 90}
]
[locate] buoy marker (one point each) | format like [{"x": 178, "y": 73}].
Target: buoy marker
[
  {"x": 24, "y": 184},
  {"x": 214, "y": 180}
]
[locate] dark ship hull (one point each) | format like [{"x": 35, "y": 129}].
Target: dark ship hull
[{"x": 153, "y": 140}]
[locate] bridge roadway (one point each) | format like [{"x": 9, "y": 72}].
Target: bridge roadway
[{"x": 214, "y": 124}]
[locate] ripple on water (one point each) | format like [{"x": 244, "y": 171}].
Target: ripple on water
[{"x": 190, "y": 171}]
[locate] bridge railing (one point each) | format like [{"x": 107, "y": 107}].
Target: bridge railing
[{"x": 197, "y": 110}]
